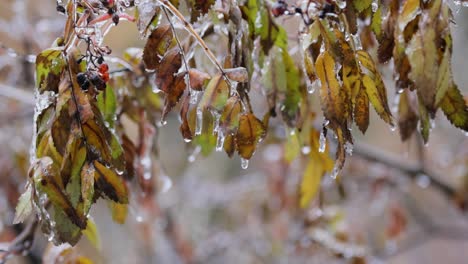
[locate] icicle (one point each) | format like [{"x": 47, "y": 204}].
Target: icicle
[
  {"x": 322, "y": 142},
  {"x": 199, "y": 125},
  {"x": 193, "y": 96},
  {"x": 341, "y": 4},
  {"x": 244, "y": 163},
  {"x": 220, "y": 141},
  {"x": 216, "y": 117},
  {"x": 312, "y": 87}
]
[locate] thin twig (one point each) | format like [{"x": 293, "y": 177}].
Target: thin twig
[
  {"x": 17, "y": 94},
  {"x": 192, "y": 31},
  {"x": 411, "y": 170}
]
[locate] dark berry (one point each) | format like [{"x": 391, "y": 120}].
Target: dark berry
[
  {"x": 82, "y": 81},
  {"x": 60, "y": 9},
  {"x": 115, "y": 19},
  {"x": 100, "y": 60},
  {"x": 97, "y": 81}
]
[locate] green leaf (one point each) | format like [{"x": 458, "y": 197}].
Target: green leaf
[
  {"x": 455, "y": 109},
  {"x": 24, "y": 206},
  {"x": 50, "y": 64},
  {"x": 251, "y": 131},
  {"x": 107, "y": 103},
  {"x": 361, "y": 5},
  {"x": 216, "y": 94}
]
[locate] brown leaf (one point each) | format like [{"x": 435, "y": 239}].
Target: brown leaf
[
  {"x": 216, "y": 94},
  {"x": 361, "y": 110},
  {"x": 198, "y": 79},
  {"x": 185, "y": 127},
  {"x": 407, "y": 118},
  {"x": 229, "y": 120},
  {"x": 251, "y": 131},
  {"x": 238, "y": 74},
  {"x": 110, "y": 183},
  {"x": 160, "y": 40}
]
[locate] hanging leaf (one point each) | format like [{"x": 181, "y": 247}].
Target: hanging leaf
[
  {"x": 251, "y": 131},
  {"x": 216, "y": 94},
  {"x": 199, "y": 8},
  {"x": 198, "y": 79},
  {"x": 119, "y": 212},
  {"x": 455, "y": 109},
  {"x": 50, "y": 64},
  {"x": 407, "y": 118},
  {"x": 110, "y": 183},
  {"x": 24, "y": 206},
  {"x": 92, "y": 234},
  {"x": 238, "y": 74},
  {"x": 158, "y": 43}
]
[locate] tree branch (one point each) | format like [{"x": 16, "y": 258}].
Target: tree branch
[{"x": 411, "y": 170}]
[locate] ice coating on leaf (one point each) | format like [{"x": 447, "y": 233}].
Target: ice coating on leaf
[
  {"x": 199, "y": 122},
  {"x": 322, "y": 142}
]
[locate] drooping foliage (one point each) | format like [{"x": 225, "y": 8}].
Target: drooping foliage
[{"x": 82, "y": 150}]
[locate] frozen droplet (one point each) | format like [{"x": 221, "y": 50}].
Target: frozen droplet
[
  {"x": 220, "y": 141},
  {"x": 423, "y": 181},
  {"x": 322, "y": 142},
  {"x": 335, "y": 172},
  {"x": 162, "y": 122},
  {"x": 393, "y": 127},
  {"x": 194, "y": 96},
  {"x": 199, "y": 125},
  {"x": 314, "y": 86},
  {"x": 357, "y": 42},
  {"x": 305, "y": 150},
  {"x": 292, "y": 132},
  {"x": 165, "y": 183},
  {"x": 216, "y": 116},
  {"x": 375, "y": 5},
  {"x": 244, "y": 163},
  {"x": 139, "y": 219},
  {"x": 187, "y": 140},
  {"x": 348, "y": 148}
]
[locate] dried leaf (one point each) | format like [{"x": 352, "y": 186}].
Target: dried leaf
[
  {"x": 361, "y": 110},
  {"x": 198, "y": 79},
  {"x": 407, "y": 118},
  {"x": 216, "y": 94},
  {"x": 199, "y": 8},
  {"x": 158, "y": 43},
  {"x": 238, "y": 74},
  {"x": 50, "y": 64},
  {"x": 229, "y": 120}
]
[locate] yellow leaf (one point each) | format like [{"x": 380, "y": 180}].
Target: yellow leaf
[
  {"x": 119, "y": 212},
  {"x": 319, "y": 164},
  {"x": 455, "y": 108},
  {"x": 110, "y": 183},
  {"x": 251, "y": 131},
  {"x": 408, "y": 13},
  {"x": 91, "y": 232},
  {"x": 379, "y": 103},
  {"x": 332, "y": 103}
]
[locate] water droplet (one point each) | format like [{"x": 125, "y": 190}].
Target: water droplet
[
  {"x": 139, "y": 219},
  {"x": 322, "y": 142},
  {"x": 393, "y": 127},
  {"x": 187, "y": 140},
  {"x": 244, "y": 163},
  {"x": 199, "y": 124}
]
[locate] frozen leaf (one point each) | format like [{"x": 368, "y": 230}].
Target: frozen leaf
[
  {"x": 173, "y": 93},
  {"x": 92, "y": 234},
  {"x": 330, "y": 96},
  {"x": 207, "y": 139},
  {"x": 251, "y": 131},
  {"x": 376, "y": 98},
  {"x": 107, "y": 103},
  {"x": 199, "y": 7},
  {"x": 229, "y": 120},
  {"x": 160, "y": 40},
  {"x": 87, "y": 176},
  {"x": 229, "y": 145},
  {"x": 408, "y": 13},
  {"x": 319, "y": 163},
  {"x": 24, "y": 206},
  {"x": 425, "y": 126},
  {"x": 50, "y": 64},
  {"x": 376, "y": 23},
  {"x": 216, "y": 94},
  {"x": 422, "y": 54},
  {"x": 198, "y": 79},
  {"x": 455, "y": 109},
  {"x": 407, "y": 118},
  {"x": 444, "y": 77},
  {"x": 351, "y": 16},
  {"x": 185, "y": 127},
  {"x": 290, "y": 105},
  {"x": 238, "y": 74},
  {"x": 148, "y": 13},
  {"x": 361, "y": 110},
  {"x": 110, "y": 183}
]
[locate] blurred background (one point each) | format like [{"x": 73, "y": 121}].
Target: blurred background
[{"x": 212, "y": 211}]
